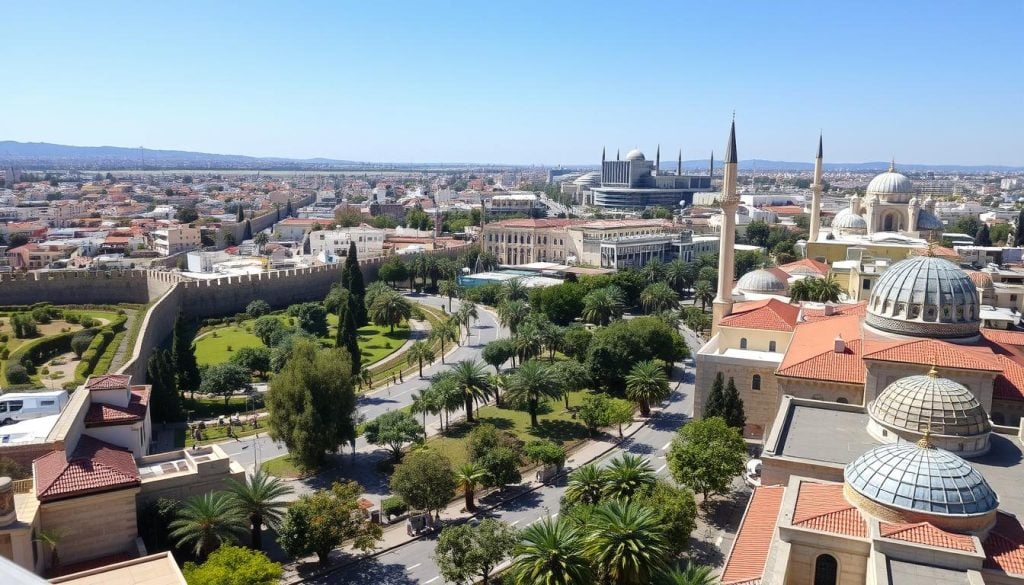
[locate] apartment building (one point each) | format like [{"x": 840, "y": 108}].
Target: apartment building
[
  {"x": 622, "y": 243},
  {"x": 36, "y": 256},
  {"x": 332, "y": 245},
  {"x": 176, "y": 239}
]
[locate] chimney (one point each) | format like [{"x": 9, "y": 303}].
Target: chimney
[
  {"x": 830, "y": 309},
  {"x": 840, "y": 344}
]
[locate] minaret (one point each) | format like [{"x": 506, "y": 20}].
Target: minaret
[
  {"x": 602, "y": 155},
  {"x": 657, "y": 160},
  {"x": 816, "y": 195},
  {"x": 679, "y": 166},
  {"x": 711, "y": 167},
  {"x": 616, "y": 154},
  {"x": 722, "y": 306}
]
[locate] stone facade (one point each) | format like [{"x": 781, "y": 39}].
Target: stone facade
[{"x": 93, "y": 526}]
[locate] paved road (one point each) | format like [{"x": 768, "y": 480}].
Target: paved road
[{"x": 361, "y": 465}]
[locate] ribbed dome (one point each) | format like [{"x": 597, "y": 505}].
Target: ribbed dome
[
  {"x": 848, "y": 221},
  {"x": 588, "y": 179},
  {"x": 930, "y": 404},
  {"x": 635, "y": 154},
  {"x": 925, "y": 296},
  {"x": 921, "y": 478},
  {"x": 762, "y": 282},
  {"x": 927, "y": 220},
  {"x": 891, "y": 187}
]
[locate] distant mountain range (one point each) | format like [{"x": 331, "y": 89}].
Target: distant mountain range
[{"x": 42, "y": 155}]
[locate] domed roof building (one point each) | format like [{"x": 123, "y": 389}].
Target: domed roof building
[
  {"x": 762, "y": 282},
  {"x": 590, "y": 179},
  {"x": 847, "y": 223},
  {"x": 891, "y": 187},
  {"x": 915, "y": 406},
  {"x": 917, "y": 482},
  {"x": 890, "y": 204},
  {"x": 635, "y": 154},
  {"x": 925, "y": 296}
]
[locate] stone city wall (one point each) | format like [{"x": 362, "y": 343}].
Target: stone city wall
[{"x": 260, "y": 222}]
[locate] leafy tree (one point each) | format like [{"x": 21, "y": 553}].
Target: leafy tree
[
  {"x": 337, "y": 298},
  {"x": 257, "y": 308},
  {"x": 659, "y": 297},
  {"x": 465, "y": 552},
  {"x": 502, "y": 465},
  {"x": 647, "y": 383},
  {"x": 551, "y": 552},
  {"x": 677, "y": 511},
  {"x": 706, "y": 455},
  {"x": 619, "y": 412},
  {"x": 576, "y": 343},
  {"x": 23, "y": 325},
  {"x": 594, "y": 412},
  {"x": 311, "y": 403},
  {"x": 224, "y": 380},
  {"x": 615, "y": 349},
  {"x": 390, "y": 309},
  {"x": 393, "y": 271},
  {"x": 572, "y": 377},
  {"x": 531, "y": 383},
  {"x": 467, "y": 478},
  {"x": 259, "y": 498},
  {"x": 186, "y": 214},
  {"x": 982, "y": 237},
  {"x": 164, "y": 401},
  {"x": 966, "y": 225},
  {"x": 732, "y": 407},
  {"x": 184, "y": 355},
  {"x": 233, "y": 565},
  {"x": 745, "y": 261},
  {"x": 498, "y": 352},
  {"x": 425, "y": 480},
  {"x": 545, "y": 452},
  {"x": 311, "y": 317},
  {"x": 418, "y": 353},
  {"x": 562, "y": 303},
  {"x": 757, "y": 233},
  {"x": 603, "y": 305},
  {"x": 393, "y": 429},
  {"x": 253, "y": 359},
  {"x": 472, "y": 382},
  {"x": 205, "y": 522},
  {"x": 266, "y": 328},
  {"x": 320, "y": 521},
  {"x": 1000, "y": 233}
]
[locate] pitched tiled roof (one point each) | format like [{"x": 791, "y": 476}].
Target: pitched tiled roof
[
  {"x": 754, "y": 537},
  {"x": 846, "y": 367},
  {"x": 927, "y": 534},
  {"x": 1004, "y": 546},
  {"x": 108, "y": 382},
  {"x": 1010, "y": 339},
  {"x": 1009, "y": 384},
  {"x": 805, "y": 266},
  {"x": 95, "y": 466},
  {"x": 812, "y": 314},
  {"x": 933, "y": 250},
  {"x": 945, "y": 354},
  {"x": 822, "y": 507},
  {"x": 100, "y": 414},
  {"x": 771, "y": 314}
]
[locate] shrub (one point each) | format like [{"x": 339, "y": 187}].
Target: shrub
[
  {"x": 72, "y": 318},
  {"x": 4, "y": 337},
  {"x": 14, "y": 470},
  {"x": 17, "y": 374},
  {"x": 393, "y": 506},
  {"x": 41, "y": 315}
]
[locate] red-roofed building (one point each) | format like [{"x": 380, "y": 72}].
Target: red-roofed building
[{"x": 746, "y": 561}]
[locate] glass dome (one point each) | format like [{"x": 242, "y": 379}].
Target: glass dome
[
  {"x": 930, "y": 404},
  {"x": 925, "y": 296},
  {"x": 761, "y": 281},
  {"x": 921, "y": 478}
]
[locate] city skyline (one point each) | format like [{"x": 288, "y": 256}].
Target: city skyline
[{"x": 921, "y": 83}]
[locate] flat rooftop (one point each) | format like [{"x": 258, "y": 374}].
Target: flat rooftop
[
  {"x": 905, "y": 573},
  {"x": 837, "y": 437}
]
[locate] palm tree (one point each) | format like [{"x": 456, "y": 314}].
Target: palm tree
[
  {"x": 449, "y": 288},
  {"x": 467, "y": 478},
  {"x": 647, "y": 383},
  {"x": 514, "y": 290},
  {"x": 529, "y": 341},
  {"x": 207, "y": 521},
  {"x": 691, "y": 574},
  {"x": 801, "y": 290},
  {"x": 445, "y": 395},
  {"x": 466, "y": 313},
  {"x": 602, "y": 305},
  {"x": 550, "y": 552},
  {"x": 827, "y": 290},
  {"x": 423, "y": 402},
  {"x": 532, "y": 382},
  {"x": 499, "y": 383},
  {"x": 585, "y": 485},
  {"x": 471, "y": 380},
  {"x": 446, "y": 330},
  {"x": 653, "y": 271},
  {"x": 677, "y": 275},
  {"x": 627, "y": 476},
  {"x": 703, "y": 292},
  {"x": 512, "y": 313},
  {"x": 627, "y": 543},
  {"x": 390, "y": 309},
  {"x": 418, "y": 353},
  {"x": 259, "y": 498},
  {"x": 260, "y": 240},
  {"x": 659, "y": 297},
  {"x": 50, "y": 538},
  {"x": 551, "y": 335}
]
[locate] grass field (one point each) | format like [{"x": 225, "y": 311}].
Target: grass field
[
  {"x": 215, "y": 345},
  {"x": 556, "y": 424},
  {"x": 52, "y": 328},
  {"x": 281, "y": 467}
]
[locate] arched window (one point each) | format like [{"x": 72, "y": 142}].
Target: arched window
[
  {"x": 826, "y": 570},
  {"x": 755, "y": 382},
  {"x": 743, "y": 343},
  {"x": 771, "y": 346}
]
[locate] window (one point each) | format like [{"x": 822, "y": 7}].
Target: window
[
  {"x": 771, "y": 346},
  {"x": 743, "y": 343},
  {"x": 826, "y": 570},
  {"x": 755, "y": 382},
  {"x": 867, "y": 284},
  {"x": 14, "y": 405},
  {"x": 47, "y": 402}
]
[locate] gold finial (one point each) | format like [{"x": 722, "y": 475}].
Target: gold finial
[
  {"x": 925, "y": 442},
  {"x": 931, "y": 248}
]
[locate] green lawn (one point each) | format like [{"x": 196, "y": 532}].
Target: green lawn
[
  {"x": 215, "y": 345},
  {"x": 556, "y": 425},
  {"x": 281, "y": 467},
  {"x": 204, "y": 408}
]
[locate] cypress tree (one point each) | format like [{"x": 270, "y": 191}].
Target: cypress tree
[
  {"x": 983, "y": 237},
  {"x": 1018, "y": 235},
  {"x": 288, "y": 209},
  {"x": 348, "y": 336},
  {"x": 356, "y": 285},
  {"x": 247, "y": 232},
  {"x": 239, "y": 214},
  {"x": 185, "y": 366},
  {"x": 716, "y": 399},
  {"x": 164, "y": 400},
  {"x": 734, "y": 415}
]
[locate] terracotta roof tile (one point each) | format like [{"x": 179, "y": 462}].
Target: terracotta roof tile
[
  {"x": 108, "y": 382},
  {"x": 754, "y": 537},
  {"x": 1004, "y": 546},
  {"x": 940, "y": 251},
  {"x": 95, "y": 466},
  {"x": 771, "y": 314},
  {"x": 846, "y": 367},
  {"x": 822, "y": 507},
  {"x": 945, "y": 354},
  {"x": 812, "y": 314},
  {"x": 533, "y": 223},
  {"x": 1002, "y": 337},
  {"x": 927, "y": 534},
  {"x": 100, "y": 414},
  {"x": 1009, "y": 384}
]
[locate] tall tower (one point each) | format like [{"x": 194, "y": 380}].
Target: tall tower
[
  {"x": 816, "y": 195},
  {"x": 722, "y": 306},
  {"x": 602, "y": 155},
  {"x": 657, "y": 161},
  {"x": 679, "y": 165}
]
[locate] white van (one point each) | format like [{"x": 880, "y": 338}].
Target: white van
[{"x": 17, "y": 406}]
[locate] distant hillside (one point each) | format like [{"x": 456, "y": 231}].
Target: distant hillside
[{"x": 879, "y": 166}]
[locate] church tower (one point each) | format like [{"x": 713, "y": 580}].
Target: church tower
[
  {"x": 722, "y": 306},
  {"x": 816, "y": 195}
]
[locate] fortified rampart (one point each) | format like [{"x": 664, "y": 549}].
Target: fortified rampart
[
  {"x": 169, "y": 293},
  {"x": 260, "y": 222}
]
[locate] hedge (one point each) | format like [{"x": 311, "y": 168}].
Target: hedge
[
  {"x": 92, "y": 354},
  {"x": 393, "y": 506}
]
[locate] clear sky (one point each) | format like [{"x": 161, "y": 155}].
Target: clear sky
[{"x": 521, "y": 82}]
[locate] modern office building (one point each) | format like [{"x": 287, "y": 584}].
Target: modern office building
[{"x": 636, "y": 183}]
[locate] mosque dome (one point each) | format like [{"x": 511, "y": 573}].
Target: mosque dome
[
  {"x": 891, "y": 187},
  {"x": 946, "y": 410},
  {"x": 925, "y": 296},
  {"x": 913, "y": 482},
  {"x": 847, "y": 222},
  {"x": 927, "y": 221},
  {"x": 592, "y": 178},
  {"x": 635, "y": 154},
  {"x": 762, "y": 282}
]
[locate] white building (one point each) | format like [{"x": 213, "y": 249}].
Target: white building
[
  {"x": 334, "y": 244},
  {"x": 176, "y": 239}
]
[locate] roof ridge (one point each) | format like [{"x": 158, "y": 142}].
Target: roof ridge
[
  {"x": 837, "y": 510},
  {"x": 818, "y": 355}
]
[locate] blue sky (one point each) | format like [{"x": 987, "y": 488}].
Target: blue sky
[{"x": 521, "y": 82}]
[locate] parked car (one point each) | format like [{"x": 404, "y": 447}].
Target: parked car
[{"x": 18, "y": 406}]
